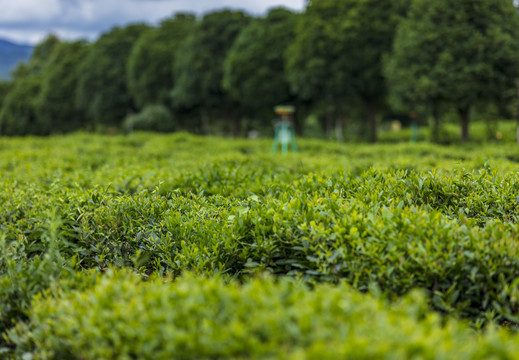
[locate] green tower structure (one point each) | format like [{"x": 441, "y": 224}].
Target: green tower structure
[{"x": 284, "y": 130}]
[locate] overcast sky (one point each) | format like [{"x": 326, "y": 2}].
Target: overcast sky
[{"x": 29, "y": 21}]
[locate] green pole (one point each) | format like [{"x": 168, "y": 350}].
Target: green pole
[
  {"x": 285, "y": 135},
  {"x": 414, "y": 132},
  {"x": 284, "y": 130}
]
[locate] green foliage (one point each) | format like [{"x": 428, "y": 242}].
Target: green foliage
[
  {"x": 193, "y": 318},
  {"x": 55, "y": 105},
  {"x": 150, "y": 65},
  {"x": 458, "y": 53},
  {"x": 26, "y": 269},
  {"x": 18, "y": 113},
  {"x": 152, "y": 118},
  {"x": 398, "y": 229},
  {"x": 254, "y": 72},
  {"x": 102, "y": 91},
  {"x": 337, "y": 54},
  {"x": 199, "y": 64},
  {"x": 41, "y": 54},
  {"x": 222, "y": 73},
  {"x": 4, "y": 90},
  {"x": 356, "y": 213}
]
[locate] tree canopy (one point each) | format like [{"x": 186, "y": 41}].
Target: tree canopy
[
  {"x": 254, "y": 72},
  {"x": 346, "y": 65},
  {"x": 103, "y": 93},
  {"x": 18, "y": 114},
  {"x": 199, "y": 65},
  {"x": 337, "y": 54},
  {"x": 150, "y": 65},
  {"x": 55, "y": 103},
  {"x": 458, "y": 52}
]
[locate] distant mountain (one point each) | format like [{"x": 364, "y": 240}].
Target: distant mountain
[{"x": 10, "y": 55}]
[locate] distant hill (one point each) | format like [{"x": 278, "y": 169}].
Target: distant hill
[{"x": 10, "y": 55}]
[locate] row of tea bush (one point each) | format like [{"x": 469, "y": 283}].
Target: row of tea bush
[{"x": 378, "y": 217}]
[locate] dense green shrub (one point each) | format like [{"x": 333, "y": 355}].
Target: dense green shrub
[
  {"x": 208, "y": 318},
  {"x": 152, "y": 118},
  {"x": 25, "y": 270},
  {"x": 170, "y": 204},
  {"x": 294, "y": 215},
  {"x": 398, "y": 228}
]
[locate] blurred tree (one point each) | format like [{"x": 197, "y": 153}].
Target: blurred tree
[
  {"x": 254, "y": 70},
  {"x": 55, "y": 104},
  {"x": 337, "y": 55},
  {"x": 5, "y": 86},
  {"x": 102, "y": 90},
  {"x": 18, "y": 114},
  {"x": 41, "y": 55},
  {"x": 150, "y": 65},
  {"x": 460, "y": 52},
  {"x": 199, "y": 66}
]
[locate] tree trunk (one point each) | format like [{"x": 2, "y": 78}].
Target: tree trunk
[
  {"x": 206, "y": 122},
  {"x": 299, "y": 119},
  {"x": 371, "y": 118},
  {"x": 492, "y": 126},
  {"x": 517, "y": 131},
  {"x": 435, "y": 124},
  {"x": 464, "y": 114},
  {"x": 329, "y": 124},
  {"x": 235, "y": 123},
  {"x": 339, "y": 134}
]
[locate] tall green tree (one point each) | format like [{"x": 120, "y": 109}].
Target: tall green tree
[
  {"x": 460, "y": 52},
  {"x": 102, "y": 92},
  {"x": 254, "y": 70},
  {"x": 337, "y": 55},
  {"x": 199, "y": 67},
  {"x": 5, "y": 86},
  {"x": 18, "y": 114},
  {"x": 150, "y": 65},
  {"x": 41, "y": 55},
  {"x": 55, "y": 104}
]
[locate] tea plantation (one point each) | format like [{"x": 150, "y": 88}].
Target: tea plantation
[{"x": 182, "y": 247}]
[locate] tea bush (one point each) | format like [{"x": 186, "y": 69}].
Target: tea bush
[
  {"x": 121, "y": 317},
  {"x": 417, "y": 233},
  {"x": 399, "y": 217}
]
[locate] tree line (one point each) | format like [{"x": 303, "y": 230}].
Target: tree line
[{"x": 342, "y": 61}]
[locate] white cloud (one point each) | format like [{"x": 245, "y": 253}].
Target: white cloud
[
  {"x": 22, "y": 37},
  {"x": 31, "y": 20},
  {"x": 23, "y": 10}
]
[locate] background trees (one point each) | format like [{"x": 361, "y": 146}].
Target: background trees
[
  {"x": 4, "y": 90},
  {"x": 55, "y": 104},
  {"x": 254, "y": 69},
  {"x": 18, "y": 114},
  {"x": 459, "y": 53},
  {"x": 199, "y": 67},
  {"x": 102, "y": 91},
  {"x": 342, "y": 61},
  {"x": 337, "y": 54},
  {"x": 150, "y": 65}
]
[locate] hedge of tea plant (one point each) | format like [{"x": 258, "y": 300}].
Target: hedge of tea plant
[
  {"x": 397, "y": 217},
  {"x": 117, "y": 316}
]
